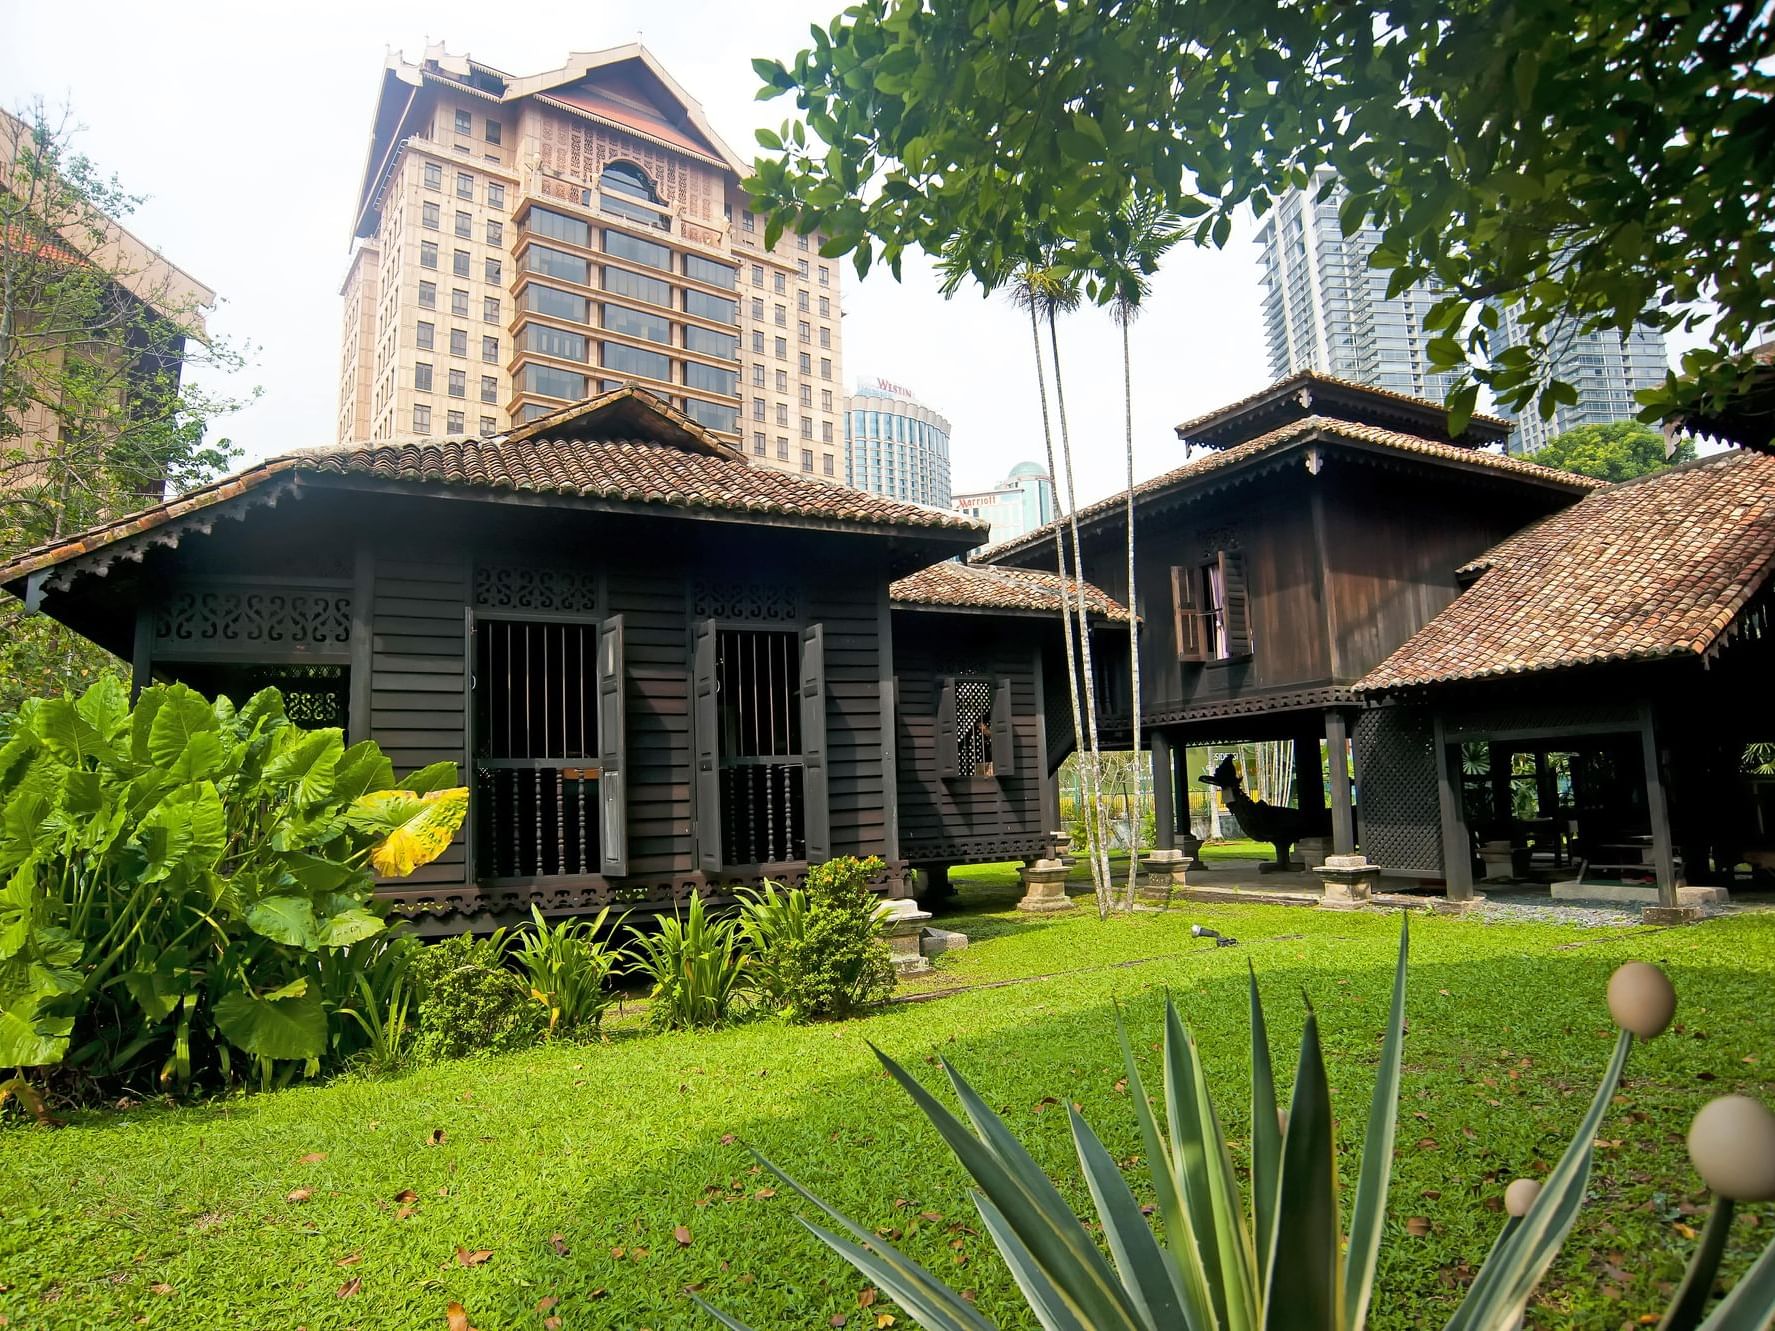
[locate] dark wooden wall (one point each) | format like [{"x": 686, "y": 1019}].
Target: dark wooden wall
[
  {"x": 968, "y": 819},
  {"x": 857, "y": 724}
]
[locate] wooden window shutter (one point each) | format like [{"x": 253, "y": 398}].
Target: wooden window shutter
[
  {"x": 1187, "y": 616},
  {"x": 948, "y": 742},
  {"x": 1236, "y": 603},
  {"x": 813, "y": 745},
  {"x": 613, "y": 840},
  {"x": 707, "y": 725},
  {"x": 1004, "y": 739}
]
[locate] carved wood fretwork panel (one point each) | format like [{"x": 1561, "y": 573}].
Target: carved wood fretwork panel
[
  {"x": 553, "y": 591},
  {"x": 737, "y": 599},
  {"x": 254, "y": 622},
  {"x": 1401, "y": 820}
]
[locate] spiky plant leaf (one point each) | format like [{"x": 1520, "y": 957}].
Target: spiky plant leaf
[
  {"x": 1301, "y": 1289},
  {"x": 1152, "y": 1281},
  {"x": 1370, "y": 1210},
  {"x": 1266, "y": 1131},
  {"x": 1751, "y": 1304},
  {"x": 1697, "y": 1287}
]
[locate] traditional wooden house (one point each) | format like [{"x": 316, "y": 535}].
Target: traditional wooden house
[
  {"x": 1320, "y": 526},
  {"x": 663, "y": 669},
  {"x": 1589, "y": 697}
]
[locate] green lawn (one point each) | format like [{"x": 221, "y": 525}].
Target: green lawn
[{"x": 572, "y": 1167}]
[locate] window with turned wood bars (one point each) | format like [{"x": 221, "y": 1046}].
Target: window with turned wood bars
[
  {"x": 760, "y": 723},
  {"x": 1211, "y": 608},
  {"x": 548, "y": 749}
]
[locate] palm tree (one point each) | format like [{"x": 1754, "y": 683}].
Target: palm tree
[{"x": 1145, "y": 233}]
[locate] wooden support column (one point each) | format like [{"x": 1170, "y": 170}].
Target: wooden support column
[
  {"x": 1164, "y": 797},
  {"x": 1309, "y": 775},
  {"x": 363, "y": 593},
  {"x": 1663, "y": 858},
  {"x": 1457, "y": 856},
  {"x": 1343, "y": 816},
  {"x": 141, "y": 662},
  {"x": 1180, "y": 772}
]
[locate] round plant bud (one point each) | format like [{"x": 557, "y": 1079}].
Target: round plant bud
[
  {"x": 1641, "y": 999},
  {"x": 1732, "y": 1146},
  {"x": 1520, "y": 1195}
]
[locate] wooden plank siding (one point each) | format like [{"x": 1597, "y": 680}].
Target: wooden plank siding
[
  {"x": 857, "y": 781},
  {"x": 656, "y": 681},
  {"x": 419, "y": 674},
  {"x": 968, "y": 819}
]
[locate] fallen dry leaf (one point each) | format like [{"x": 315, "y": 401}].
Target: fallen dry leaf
[
  {"x": 456, "y": 1318},
  {"x": 546, "y": 1302},
  {"x": 1417, "y": 1226},
  {"x": 351, "y": 1287},
  {"x": 466, "y": 1258},
  {"x": 405, "y": 1196},
  {"x": 312, "y": 1158},
  {"x": 299, "y": 1195},
  {"x": 682, "y": 1234},
  {"x": 765, "y": 1194},
  {"x": 838, "y": 1319},
  {"x": 728, "y": 1139},
  {"x": 866, "y": 1296},
  {"x": 437, "y": 1137},
  {"x": 884, "y": 1319},
  {"x": 551, "y": 1324},
  {"x": 350, "y": 1259},
  {"x": 160, "y": 1287}
]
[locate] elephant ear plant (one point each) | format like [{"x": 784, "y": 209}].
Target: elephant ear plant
[
  {"x": 1276, "y": 1261},
  {"x": 187, "y": 884}
]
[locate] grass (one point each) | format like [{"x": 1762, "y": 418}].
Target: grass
[{"x": 566, "y": 1173}]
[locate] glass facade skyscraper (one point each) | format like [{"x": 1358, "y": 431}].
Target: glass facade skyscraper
[
  {"x": 1605, "y": 368},
  {"x": 895, "y": 445},
  {"x": 1020, "y": 503},
  {"x": 1325, "y": 309}
]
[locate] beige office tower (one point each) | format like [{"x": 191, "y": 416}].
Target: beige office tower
[{"x": 523, "y": 243}]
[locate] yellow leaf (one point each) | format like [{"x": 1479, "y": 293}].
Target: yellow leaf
[{"x": 416, "y": 828}]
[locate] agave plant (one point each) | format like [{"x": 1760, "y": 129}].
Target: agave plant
[{"x": 1271, "y": 1261}]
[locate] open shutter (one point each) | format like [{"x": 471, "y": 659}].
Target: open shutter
[
  {"x": 948, "y": 752},
  {"x": 708, "y": 751},
  {"x": 1004, "y": 742},
  {"x": 1186, "y": 615},
  {"x": 813, "y": 745},
  {"x": 613, "y": 777},
  {"x": 1236, "y": 603}
]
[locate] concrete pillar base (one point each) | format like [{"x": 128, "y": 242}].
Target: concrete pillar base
[
  {"x": 1063, "y": 851},
  {"x": 1498, "y": 862},
  {"x": 1191, "y": 846},
  {"x": 1044, "y": 887},
  {"x": 1452, "y": 907},
  {"x": 1670, "y": 914},
  {"x": 1349, "y": 881},
  {"x": 1162, "y": 872},
  {"x": 905, "y": 931}
]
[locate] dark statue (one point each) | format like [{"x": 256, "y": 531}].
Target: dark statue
[{"x": 1278, "y": 824}]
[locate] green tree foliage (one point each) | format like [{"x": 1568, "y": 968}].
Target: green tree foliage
[
  {"x": 470, "y": 1002},
  {"x": 1597, "y": 163},
  {"x": 187, "y": 884},
  {"x": 97, "y": 417},
  {"x": 1618, "y": 451}
]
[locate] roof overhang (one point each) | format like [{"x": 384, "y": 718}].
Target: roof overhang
[{"x": 1310, "y": 393}]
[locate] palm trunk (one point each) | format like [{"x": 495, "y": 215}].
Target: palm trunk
[
  {"x": 1100, "y": 873},
  {"x": 1134, "y": 813},
  {"x": 1072, "y": 678}
]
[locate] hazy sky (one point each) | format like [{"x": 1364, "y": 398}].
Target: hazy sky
[{"x": 246, "y": 128}]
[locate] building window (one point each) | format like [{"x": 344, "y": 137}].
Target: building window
[
  {"x": 428, "y": 254},
  {"x": 493, "y": 131},
  {"x": 459, "y": 263},
  {"x": 758, "y": 443},
  {"x": 801, "y": 264},
  {"x": 492, "y": 270},
  {"x": 428, "y": 295},
  {"x": 757, "y": 274},
  {"x": 489, "y": 426},
  {"x": 556, "y": 342},
  {"x": 495, "y": 195},
  {"x": 801, "y": 243},
  {"x": 758, "y": 307},
  {"x": 636, "y": 250},
  {"x": 825, "y": 432},
  {"x": 558, "y": 226},
  {"x": 825, "y": 307},
  {"x": 782, "y": 348},
  {"x": 555, "y": 304},
  {"x": 707, "y": 270},
  {"x": 782, "y": 448},
  {"x": 465, "y": 225},
  {"x": 780, "y": 283},
  {"x": 825, "y": 279},
  {"x": 637, "y": 286},
  {"x": 782, "y": 313},
  {"x": 423, "y": 332},
  {"x": 715, "y": 415},
  {"x": 465, "y": 185},
  {"x": 758, "y": 376},
  {"x": 722, "y": 346},
  {"x": 434, "y": 176},
  {"x": 801, "y": 300},
  {"x": 459, "y": 341},
  {"x": 490, "y": 309},
  {"x": 710, "y": 379},
  {"x": 490, "y": 350},
  {"x": 489, "y": 388},
  {"x": 429, "y": 215},
  {"x": 1211, "y": 609},
  {"x": 804, "y": 332},
  {"x": 825, "y": 332},
  {"x": 465, "y": 123},
  {"x": 807, "y": 459},
  {"x": 747, "y": 223},
  {"x": 453, "y": 422},
  {"x": 782, "y": 413},
  {"x": 716, "y": 308},
  {"x": 826, "y": 463},
  {"x": 825, "y": 367},
  {"x": 459, "y": 302},
  {"x": 421, "y": 418},
  {"x": 422, "y": 377},
  {"x": 558, "y": 264},
  {"x": 782, "y": 381},
  {"x": 458, "y": 383},
  {"x": 636, "y": 323},
  {"x": 547, "y": 381},
  {"x": 804, "y": 363},
  {"x": 757, "y": 408},
  {"x": 633, "y": 360},
  {"x": 496, "y": 233},
  {"x": 757, "y": 342},
  {"x": 807, "y": 395},
  {"x": 825, "y": 399}
]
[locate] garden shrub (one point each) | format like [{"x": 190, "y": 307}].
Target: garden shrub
[
  {"x": 470, "y": 1002},
  {"x": 567, "y": 966},
  {"x": 188, "y": 886},
  {"x": 772, "y": 920},
  {"x": 698, "y": 966},
  {"x": 839, "y": 961}
]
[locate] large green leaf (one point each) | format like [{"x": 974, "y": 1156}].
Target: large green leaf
[
  {"x": 68, "y": 734},
  {"x": 1301, "y": 1292},
  {"x": 182, "y": 714},
  {"x": 309, "y": 763},
  {"x": 1154, "y": 1283},
  {"x": 345, "y": 927},
  {"x": 106, "y": 708},
  {"x": 362, "y": 768},
  {"x": 1370, "y": 1209},
  {"x": 288, "y": 1023},
  {"x": 201, "y": 759},
  {"x": 287, "y": 920},
  {"x": 438, "y": 776},
  {"x": 157, "y": 992}
]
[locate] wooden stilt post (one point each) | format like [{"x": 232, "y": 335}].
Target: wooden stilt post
[
  {"x": 1663, "y": 858},
  {"x": 1457, "y": 858},
  {"x": 141, "y": 665},
  {"x": 1343, "y": 817},
  {"x": 1164, "y": 806}
]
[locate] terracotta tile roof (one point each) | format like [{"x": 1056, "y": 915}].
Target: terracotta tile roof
[
  {"x": 1655, "y": 567},
  {"x": 1491, "y": 427},
  {"x": 645, "y": 474},
  {"x": 994, "y": 587},
  {"x": 1306, "y": 430}
]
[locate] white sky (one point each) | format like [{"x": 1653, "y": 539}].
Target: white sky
[{"x": 246, "y": 127}]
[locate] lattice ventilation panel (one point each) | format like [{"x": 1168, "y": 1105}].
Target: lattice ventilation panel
[{"x": 1401, "y": 820}]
